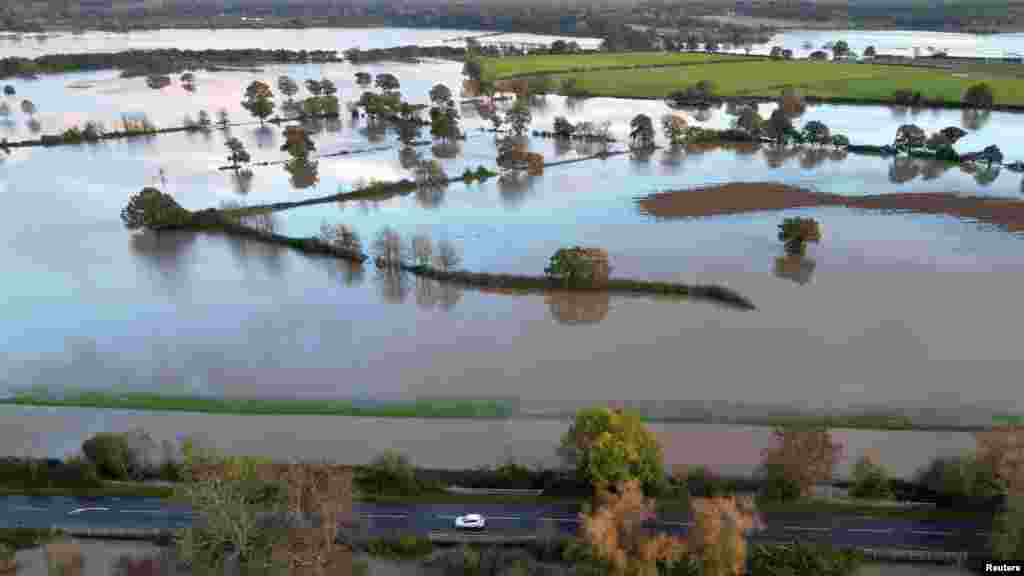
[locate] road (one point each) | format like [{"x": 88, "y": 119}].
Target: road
[{"x": 513, "y": 519}]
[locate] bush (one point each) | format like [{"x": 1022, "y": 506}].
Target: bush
[
  {"x": 979, "y": 96},
  {"x": 579, "y": 266},
  {"x": 700, "y": 483},
  {"x": 777, "y": 486},
  {"x": 403, "y": 547},
  {"x": 7, "y": 563},
  {"x": 797, "y": 232},
  {"x": 390, "y": 473},
  {"x": 111, "y": 456},
  {"x": 962, "y": 483},
  {"x": 799, "y": 559},
  {"x": 870, "y": 480}
]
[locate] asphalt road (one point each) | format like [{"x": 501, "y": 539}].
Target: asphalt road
[{"x": 517, "y": 519}]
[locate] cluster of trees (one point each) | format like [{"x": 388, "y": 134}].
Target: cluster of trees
[
  {"x": 158, "y": 61},
  {"x": 403, "y": 53}
]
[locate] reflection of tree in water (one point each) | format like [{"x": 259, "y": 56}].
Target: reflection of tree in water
[
  {"x": 374, "y": 131},
  {"x": 241, "y": 181},
  {"x": 33, "y": 125},
  {"x": 408, "y": 157},
  {"x": 702, "y": 114},
  {"x": 538, "y": 102},
  {"x": 932, "y": 169},
  {"x": 563, "y": 146},
  {"x": 812, "y": 157},
  {"x": 333, "y": 125},
  {"x": 513, "y": 186},
  {"x": 393, "y": 285},
  {"x": 578, "y": 307},
  {"x": 974, "y": 119},
  {"x": 313, "y": 125},
  {"x": 165, "y": 252},
  {"x": 795, "y": 267},
  {"x": 267, "y": 222},
  {"x": 574, "y": 105},
  {"x": 673, "y": 157},
  {"x": 589, "y": 147},
  {"x": 304, "y": 172},
  {"x": 449, "y": 149},
  {"x": 470, "y": 110},
  {"x": 903, "y": 170},
  {"x": 837, "y": 154},
  {"x": 641, "y": 156},
  {"x": 986, "y": 175},
  {"x": 430, "y": 195},
  {"x": 271, "y": 255},
  {"x": 898, "y": 111},
  {"x": 776, "y": 156},
  {"x": 350, "y": 273},
  {"x": 264, "y": 137}
]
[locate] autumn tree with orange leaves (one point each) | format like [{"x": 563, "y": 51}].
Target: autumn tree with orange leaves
[
  {"x": 718, "y": 539},
  {"x": 614, "y": 531},
  {"x": 802, "y": 457},
  {"x": 1002, "y": 449}
]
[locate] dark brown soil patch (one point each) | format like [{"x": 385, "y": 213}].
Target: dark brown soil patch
[{"x": 739, "y": 198}]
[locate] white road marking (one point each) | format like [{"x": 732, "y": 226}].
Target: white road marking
[
  {"x": 485, "y": 517},
  {"x": 385, "y": 515},
  {"x": 807, "y": 528},
  {"x": 932, "y": 532},
  {"x": 80, "y": 510},
  {"x": 871, "y": 530}
]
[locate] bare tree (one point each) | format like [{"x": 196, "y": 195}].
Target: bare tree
[
  {"x": 447, "y": 257},
  {"x": 422, "y": 250},
  {"x": 388, "y": 248}
]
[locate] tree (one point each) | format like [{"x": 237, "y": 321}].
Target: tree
[
  {"x": 870, "y": 480},
  {"x": 776, "y": 53},
  {"x": 444, "y": 121},
  {"x": 840, "y": 49},
  {"x": 1007, "y": 540},
  {"x": 791, "y": 102},
  {"x": 327, "y": 87},
  {"x": 674, "y": 127},
  {"x": 840, "y": 141},
  {"x": 364, "y": 78},
  {"x": 819, "y": 55},
  {"x": 341, "y": 236},
  {"x": 787, "y": 54},
  {"x": 609, "y": 447},
  {"x": 440, "y": 95},
  {"x": 259, "y": 100},
  {"x": 9, "y": 90},
  {"x": 152, "y": 209},
  {"x": 749, "y": 120},
  {"x": 447, "y": 258},
  {"x": 803, "y": 456},
  {"x": 5, "y": 109},
  {"x": 519, "y": 117},
  {"x": 578, "y": 266},
  {"x": 869, "y": 52},
  {"x": 979, "y": 96},
  {"x": 953, "y": 133},
  {"x": 204, "y": 120},
  {"x": 222, "y": 119},
  {"x": 563, "y": 128},
  {"x": 388, "y": 248},
  {"x": 692, "y": 43},
  {"x": 237, "y": 153},
  {"x": 817, "y": 132},
  {"x": 909, "y": 137},
  {"x": 28, "y": 107},
  {"x": 111, "y": 456},
  {"x": 718, "y": 539},
  {"x": 313, "y": 87},
  {"x": 1002, "y": 450},
  {"x": 297, "y": 142},
  {"x": 386, "y": 82},
  {"x": 711, "y": 46},
  {"x": 472, "y": 69},
  {"x": 422, "y": 250},
  {"x": 642, "y": 131},
  {"x": 287, "y": 86},
  {"x": 797, "y": 232},
  {"x": 614, "y": 531},
  {"x": 778, "y": 126}
]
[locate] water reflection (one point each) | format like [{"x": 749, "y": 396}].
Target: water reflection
[
  {"x": 796, "y": 267},
  {"x": 264, "y": 137},
  {"x": 270, "y": 255},
  {"x": 408, "y": 157},
  {"x": 430, "y": 196},
  {"x": 33, "y": 125},
  {"x": 375, "y": 131},
  {"x": 933, "y": 169},
  {"x": 812, "y": 157},
  {"x": 446, "y": 150},
  {"x": 166, "y": 253},
  {"x": 393, "y": 285},
  {"x": 974, "y": 119},
  {"x": 573, "y": 308},
  {"x": 241, "y": 181},
  {"x": 513, "y": 187},
  {"x": 986, "y": 175},
  {"x": 349, "y": 273},
  {"x": 433, "y": 294},
  {"x": 777, "y": 156}
]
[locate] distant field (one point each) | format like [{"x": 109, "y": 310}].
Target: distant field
[
  {"x": 766, "y": 78},
  {"x": 502, "y": 67}
]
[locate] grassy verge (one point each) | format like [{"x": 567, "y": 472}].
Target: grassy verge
[
  {"x": 494, "y": 68},
  {"x": 166, "y": 403},
  {"x": 25, "y": 538},
  {"x": 867, "y": 82},
  {"x": 108, "y": 489},
  {"x": 832, "y": 508}
]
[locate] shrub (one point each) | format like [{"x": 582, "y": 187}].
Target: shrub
[
  {"x": 870, "y": 480},
  {"x": 111, "y": 455},
  {"x": 979, "y": 96},
  {"x": 803, "y": 456},
  {"x": 700, "y": 483},
  {"x": 962, "y": 482},
  {"x": 153, "y": 209},
  {"x": 800, "y": 559},
  {"x": 797, "y": 232},
  {"x": 64, "y": 558},
  {"x": 71, "y": 136},
  {"x": 405, "y": 546},
  {"x": 390, "y": 473},
  {"x": 777, "y": 486},
  {"x": 1007, "y": 541}
]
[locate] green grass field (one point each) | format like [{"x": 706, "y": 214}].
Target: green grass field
[
  {"x": 495, "y": 68},
  {"x": 767, "y": 78},
  {"x": 162, "y": 403}
]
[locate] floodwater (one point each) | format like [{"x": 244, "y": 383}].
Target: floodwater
[
  {"x": 891, "y": 310},
  {"x": 440, "y": 443}
]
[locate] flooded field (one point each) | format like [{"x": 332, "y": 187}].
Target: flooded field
[{"x": 896, "y": 309}]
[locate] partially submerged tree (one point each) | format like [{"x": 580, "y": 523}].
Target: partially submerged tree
[
  {"x": 749, "y": 120},
  {"x": 364, "y": 78},
  {"x": 237, "y": 154},
  {"x": 563, "y": 128},
  {"x": 288, "y": 87},
  {"x": 297, "y": 142},
  {"x": 387, "y": 82},
  {"x": 608, "y": 447},
  {"x": 909, "y": 137},
  {"x": 796, "y": 232},
  {"x": 388, "y": 248},
  {"x": 674, "y": 126},
  {"x": 259, "y": 100},
  {"x": 979, "y": 96},
  {"x": 816, "y": 132},
  {"x": 440, "y": 95},
  {"x": 642, "y": 131},
  {"x": 778, "y": 126},
  {"x": 28, "y": 107},
  {"x": 422, "y": 250},
  {"x": 519, "y": 117},
  {"x": 152, "y": 209},
  {"x": 447, "y": 257},
  {"x": 341, "y": 236},
  {"x": 578, "y": 266}
]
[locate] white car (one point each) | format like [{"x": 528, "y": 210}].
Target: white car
[{"x": 470, "y": 522}]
